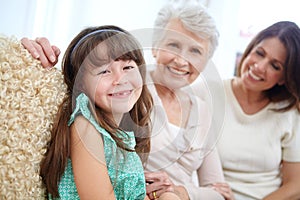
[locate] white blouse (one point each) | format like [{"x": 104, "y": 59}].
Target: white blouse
[
  {"x": 181, "y": 152},
  {"x": 252, "y": 147}
]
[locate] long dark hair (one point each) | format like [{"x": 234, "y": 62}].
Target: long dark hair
[
  {"x": 289, "y": 34},
  {"x": 123, "y": 46}
]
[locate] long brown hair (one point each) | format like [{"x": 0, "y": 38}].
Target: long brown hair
[
  {"x": 289, "y": 34},
  {"x": 123, "y": 46}
]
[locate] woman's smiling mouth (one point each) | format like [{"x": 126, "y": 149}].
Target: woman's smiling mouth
[{"x": 178, "y": 71}]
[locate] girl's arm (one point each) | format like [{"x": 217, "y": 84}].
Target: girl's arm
[
  {"x": 88, "y": 162},
  {"x": 289, "y": 189}
]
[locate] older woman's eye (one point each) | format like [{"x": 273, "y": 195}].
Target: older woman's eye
[
  {"x": 195, "y": 50},
  {"x": 175, "y": 45}
]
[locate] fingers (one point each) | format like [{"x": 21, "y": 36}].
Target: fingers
[
  {"x": 158, "y": 185},
  {"x": 157, "y": 194},
  {"x": 224, "y": 189},
  {"x": 157, "y": 176},
  {"x": 28, "y": 44},
  {"x": 56, "y": 50},
  {"x": 47, "y": 49},
  {"x": 153, "y": 195},
  {"x": 42, "y": 50},
  {"x": 158, "y": 181}
]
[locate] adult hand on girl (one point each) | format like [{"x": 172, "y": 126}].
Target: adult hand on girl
[
  {"x": 159, "y": 184},
  {"x": 41, "y": 49}
]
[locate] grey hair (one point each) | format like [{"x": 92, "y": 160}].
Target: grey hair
[{"x": 194, "y": 18}]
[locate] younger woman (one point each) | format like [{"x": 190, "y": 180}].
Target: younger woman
[
  {"x": 259, "y": 146},
  {"x": 103, "y": 123}
]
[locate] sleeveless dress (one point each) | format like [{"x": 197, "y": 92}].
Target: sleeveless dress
[{"x": 124, "y": 168}]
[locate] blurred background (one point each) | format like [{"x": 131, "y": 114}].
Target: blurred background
[{"x": 60, "y": 20}]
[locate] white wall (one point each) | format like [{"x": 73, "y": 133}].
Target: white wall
[
  {"x": 61, "y": 20},
  {"x": 225, "y": 13},
  {"x": 17, "y": 17}
]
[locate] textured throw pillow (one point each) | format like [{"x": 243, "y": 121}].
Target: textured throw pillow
[{"x": 29, "y": 99}]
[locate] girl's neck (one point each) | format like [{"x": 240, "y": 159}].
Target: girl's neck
[{"x": 115, "y": 117}]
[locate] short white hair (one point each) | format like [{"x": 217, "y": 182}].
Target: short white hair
[{"x": 194, "y": 17}]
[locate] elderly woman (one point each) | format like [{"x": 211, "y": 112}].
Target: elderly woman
[{"x": 259, "y": 145}]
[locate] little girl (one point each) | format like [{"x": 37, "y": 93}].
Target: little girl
[{"x": 103, "y": 123}]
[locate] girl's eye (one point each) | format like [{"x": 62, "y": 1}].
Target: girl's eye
[
  {"x": 103, "y": 72},
  {"x": 128, "y": 67}
]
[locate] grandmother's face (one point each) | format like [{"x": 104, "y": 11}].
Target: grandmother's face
[{"x": 180, "y": 56}]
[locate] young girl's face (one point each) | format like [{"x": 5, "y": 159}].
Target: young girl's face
[{"x": 114, "y": 87}]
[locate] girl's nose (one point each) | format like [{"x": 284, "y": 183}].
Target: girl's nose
[{"x": 119, "y": 78}]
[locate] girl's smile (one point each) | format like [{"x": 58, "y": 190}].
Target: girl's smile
[{"x": 115, "y": 87}]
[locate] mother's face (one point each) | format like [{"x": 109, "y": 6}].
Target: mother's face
[{"x": 180, "y": 56}]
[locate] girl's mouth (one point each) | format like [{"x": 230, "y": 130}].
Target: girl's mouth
[{"x": 121, "y": 94}]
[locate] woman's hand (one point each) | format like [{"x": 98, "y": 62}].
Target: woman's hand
[
  {"x": 157, "y": 184},
  {"x": 224, "y": 189},
  {"x": 41, "y": 49}
]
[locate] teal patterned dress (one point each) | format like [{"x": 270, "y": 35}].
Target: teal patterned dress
[{"x": 124, "y": 168}]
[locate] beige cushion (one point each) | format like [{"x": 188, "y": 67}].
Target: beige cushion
[{"x": 29, "y": 99}]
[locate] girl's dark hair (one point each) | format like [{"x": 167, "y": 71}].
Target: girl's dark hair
[
  {"x": 289, "y": 34},
  {"x": 120, "y": 45}
]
